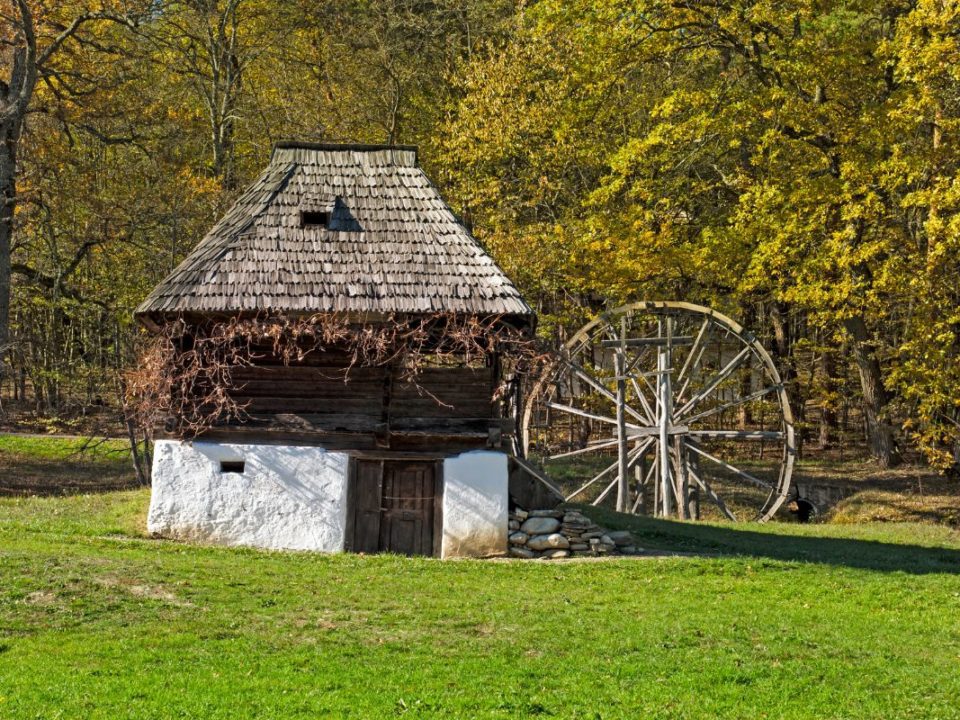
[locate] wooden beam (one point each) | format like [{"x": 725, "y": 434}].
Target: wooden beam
[
  {"x": 738, "y": 434},
  {"x": 623, "y": 481},
  {"x": 540, "y": 476},
  {"x": 727, "y": 466},
  {"x": 647, "y": 342}
]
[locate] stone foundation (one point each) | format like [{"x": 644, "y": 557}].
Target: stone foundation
[{"x": 556, "y": 534}]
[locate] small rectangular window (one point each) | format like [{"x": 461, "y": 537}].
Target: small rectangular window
[
  {"x": 231, "y": 466},
  {"x": 314, "y": 218}
]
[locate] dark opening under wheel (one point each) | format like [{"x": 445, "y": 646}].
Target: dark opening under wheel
[{"x": 670, "y": 409}]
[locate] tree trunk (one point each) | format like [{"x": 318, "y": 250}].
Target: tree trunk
[
  {"x": 744, "y": 416},
  {"x": 828, "y": 412},
  {"x": 783, "y": 342},
  {"x": 875, "y": 397},
  {"x": 8, "y": 197}
]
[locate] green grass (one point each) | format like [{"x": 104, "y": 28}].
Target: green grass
[
  {"x": 36, "y": 464},
  {"x": 64, "y": 448},
  {"x": 779, "y": 621}
]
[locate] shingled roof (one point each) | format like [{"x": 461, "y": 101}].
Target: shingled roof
[{"x": 338, "y": 228}]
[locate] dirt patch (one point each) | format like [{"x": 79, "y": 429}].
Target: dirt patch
[
  {"x": 32, "y": 464},
  {"x": 41, "y": 598},
  {"x": 879, "y": 506},
  {"x": 864, "y": 493},
  {"x": 140, "y": 590}
]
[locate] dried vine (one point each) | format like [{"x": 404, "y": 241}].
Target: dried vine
[{"x": 184, "y": 380}]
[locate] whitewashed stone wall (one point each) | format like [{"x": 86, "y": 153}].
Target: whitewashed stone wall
[
  {"x": 475, "y": 505},
  {"x": 287, "y": 497}
]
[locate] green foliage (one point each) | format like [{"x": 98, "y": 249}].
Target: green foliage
[
  {"x": 788, "y": 163},
  {"x": 801, "y": 156}
]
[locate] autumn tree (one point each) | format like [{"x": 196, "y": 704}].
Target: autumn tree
[
  {"x": 734, "y": 153},
  {"x": 34, "y": 36}
]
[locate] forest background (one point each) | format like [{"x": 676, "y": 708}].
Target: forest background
[{"x": 794, "y": 164}]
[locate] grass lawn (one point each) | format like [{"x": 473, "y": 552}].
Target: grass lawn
[
  {"x": 780, "y": 621},
  {"x": 44, "y": 465}
]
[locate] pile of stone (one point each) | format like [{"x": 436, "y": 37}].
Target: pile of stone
[{"x": 554, "y": 534}]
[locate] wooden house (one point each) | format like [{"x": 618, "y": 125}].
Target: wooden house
[{"x": 331, "y": 459}]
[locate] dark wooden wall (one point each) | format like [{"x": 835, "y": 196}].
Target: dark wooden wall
[{"x": 323, "y": 395}]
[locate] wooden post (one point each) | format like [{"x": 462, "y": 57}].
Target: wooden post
[
  {"x": 656, "y": 484},
  {"x": 623, "y": 480},
  {"x": 639, "y": 473},
  {"x": 693, "y": 507},
  {"x": 682, "y": 481},
  {"x": 665, "y": 410}
]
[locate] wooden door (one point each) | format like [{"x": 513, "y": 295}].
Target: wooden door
[
  {"x": 367, "y": 488},
  {"x": 395, "y": 504}
]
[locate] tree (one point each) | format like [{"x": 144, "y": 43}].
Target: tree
[
  {"x": 32, "y": 49},
  {"x": 796, "y": 156}
]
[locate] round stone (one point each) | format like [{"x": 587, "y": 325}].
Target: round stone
[
  {"x": 548, "y": 542},
  {"x": 518, "y": 538},
  {"x": 540, "y": 525},
  {"x": 547, "y": 513},
  {"x": 522, "y": 552}
]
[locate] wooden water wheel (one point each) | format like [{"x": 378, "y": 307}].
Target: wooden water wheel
[{"x": 670, "y": 408}]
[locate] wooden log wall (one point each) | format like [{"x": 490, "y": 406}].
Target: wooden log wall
[{"x": 323, "y": 397}]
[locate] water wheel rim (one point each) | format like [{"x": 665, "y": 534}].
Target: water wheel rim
[{"x": 779, "y": 491}]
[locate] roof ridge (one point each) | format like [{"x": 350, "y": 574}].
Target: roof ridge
[{"x": 293, "y": 143}]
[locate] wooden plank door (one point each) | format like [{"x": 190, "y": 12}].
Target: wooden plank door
[
  {"x": 394, "y": 506},
  {"x": 409, "y": 493},
  {"x": 367, "y": 489}
]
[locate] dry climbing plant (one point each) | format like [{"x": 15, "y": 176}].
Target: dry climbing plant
[{"x": 184, "y": 380}]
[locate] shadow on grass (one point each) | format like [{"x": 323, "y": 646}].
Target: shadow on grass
[
  {"x": 21, "y": 476},
  {"x": 740, "y": 540}
]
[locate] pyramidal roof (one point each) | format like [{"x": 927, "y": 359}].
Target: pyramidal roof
[{"x": 338, "y": 228}]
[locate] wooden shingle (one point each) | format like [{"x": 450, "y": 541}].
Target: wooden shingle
[{"x": 400, "y": 248}]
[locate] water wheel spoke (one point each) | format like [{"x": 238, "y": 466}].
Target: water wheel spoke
[
  {"x": 715, "y": 381},
  {"x": 590, "y": 416},
  {"x": 635, "y": 453},
  {"x": 629, "y": 372},
  {"x": 597, "y": 478},
  {"x": 694, "y": 349},
  {"x": 605, "y": 493},
  {"x": 727, "y": 466},
  {"x": 711, "y": 493},
  {"x": 596, "y": 385},
  {"x": 738, "y": 434},
  {"x": 733, "y": 403},
  {"x": 591, "y": 447},
  {"x": 651, "y": 413}
]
